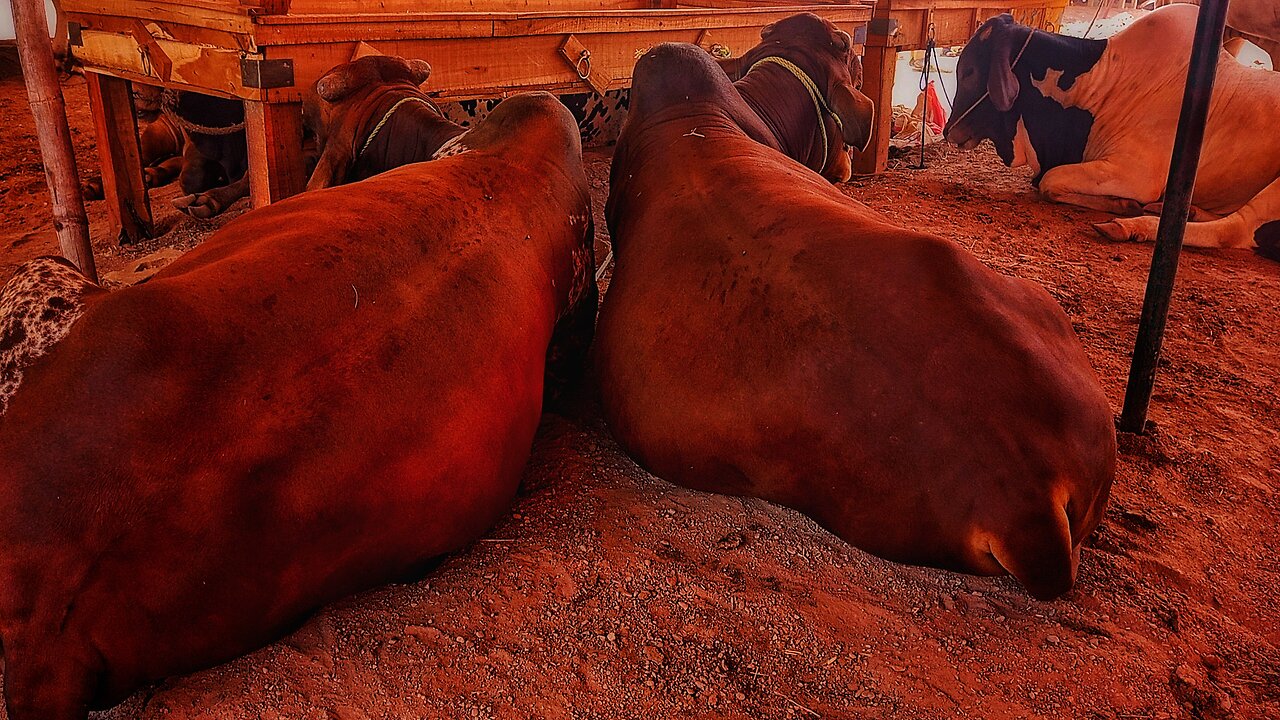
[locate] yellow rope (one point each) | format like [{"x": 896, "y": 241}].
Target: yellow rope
[{"x": 819, "y": 102}]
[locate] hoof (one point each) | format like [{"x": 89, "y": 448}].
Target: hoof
[
  {"x": 196, "y": 206},
  {"x": 1112, "y": 230}
]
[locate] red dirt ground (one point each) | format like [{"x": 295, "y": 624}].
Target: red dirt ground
[{"x": 607, "y": 593}]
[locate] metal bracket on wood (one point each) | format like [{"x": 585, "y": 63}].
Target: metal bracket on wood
[
  {"x": 151, "y": 51},
  {"x": 266, "y": 74},
  {"x": 884, "y": 27},
  {"x": 580, "y": 59},
  {"x": 75, "y": 34}
]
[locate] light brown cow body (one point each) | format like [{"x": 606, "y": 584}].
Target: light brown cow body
[
  {"x": 763, "y": 335},
  {"x": 324, "y": 395}
]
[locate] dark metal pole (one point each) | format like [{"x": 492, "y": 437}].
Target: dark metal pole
[{"x": 1185, "y": 162}]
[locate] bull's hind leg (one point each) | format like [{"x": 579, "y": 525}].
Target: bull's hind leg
[
  {"x": 1253, "y": 224},
  {"x": 1100, "y": 185}
]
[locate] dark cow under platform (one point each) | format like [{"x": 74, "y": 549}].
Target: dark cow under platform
[
  {"x": 763, "y": 335},
  {"x": 327, "y": 393}
]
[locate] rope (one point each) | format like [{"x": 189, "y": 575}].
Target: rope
[
  {"x": 169, "y": 106},
  {"x": 819, "y": 103},
  {"x": 924, "y": 88},
  {"x": 387, "y": 116},
  {"x": 956, "y": 121}
]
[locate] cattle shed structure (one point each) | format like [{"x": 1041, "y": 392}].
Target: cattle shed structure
[{"x": 268, "y": 53}]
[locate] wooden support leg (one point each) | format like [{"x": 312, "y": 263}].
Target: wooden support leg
[
  {"x": 275, "y": 151},
  {"x": 123, "y": 186},
  {"x": 879, "y": 66}
]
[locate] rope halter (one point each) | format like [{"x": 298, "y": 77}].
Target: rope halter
[
  {"x": 820, "y": 105},
  {"x": 392, "y": 111},
  {"x": 956, "y": 120}
]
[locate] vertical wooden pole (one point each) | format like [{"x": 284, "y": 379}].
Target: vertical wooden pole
[
  {"x": 45, "y": 95},
  {"x": 123, "y": 184},
  {"x": 274, "y": 134},
  {"x": 879, "y": 67},
  {"x": 1183, "y": 166}
]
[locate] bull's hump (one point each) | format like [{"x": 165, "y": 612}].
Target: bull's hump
[{"x": 37, "y": 309}]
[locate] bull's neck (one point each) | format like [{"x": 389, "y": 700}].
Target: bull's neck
[
  {"x": 412, "y": 133},
  {"x": 1057, "y": 125},
  {"x": 785, "y": 106}
]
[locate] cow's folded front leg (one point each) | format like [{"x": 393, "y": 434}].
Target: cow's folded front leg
[
  {"x": 211, "y": 202},
  {"x": 163, "y": 173},
  {"x": 1099, "y": 185},
  {"x": 1257, "y": 223},
  {"x": 1197, "y": 214}
]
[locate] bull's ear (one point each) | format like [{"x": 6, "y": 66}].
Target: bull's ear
[
  {"x": 856, "y": 113},
  {"x": 767, "y": 30},
  {"x": 421, "y": 70},
  {"x": 842, "y": 40},
  {"x": 1001, "y": 82}
]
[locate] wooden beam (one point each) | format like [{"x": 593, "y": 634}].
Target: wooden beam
[
  {"x": 50, "y": 112},
  {"x": 274, "y": 134},
  {"x": 879, "y": 68},
  {"x": 123, "y": 186}
]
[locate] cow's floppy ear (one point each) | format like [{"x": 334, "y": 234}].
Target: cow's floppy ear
[
  {"x": 767, "y": 30},
  {"x": 421, "y": 70},
  {"x": 842, "y": 40},
  {"x": 856, "y": 113},
  {"x": 1001, "y": 82}
]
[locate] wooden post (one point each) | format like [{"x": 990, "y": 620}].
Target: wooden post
[
  {"x": 123, "y": 184},
  {"x": 274, "y": 134},
  {"x": 1183, "y": 166},
  {"x": 879, "y": 66},
  {"x": 45, "y": 95}
]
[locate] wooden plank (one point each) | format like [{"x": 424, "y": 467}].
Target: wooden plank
[
  {"x": 667, "y": 20},
  {"x": 464, "y": 69},
  {"x": 215, "y": 70},
  {"x": 879, "y": 66},
  {"x": 169, "y": 31},
  {"x": 225, "y": 16},
  {"x": 274, "y": 134},
  {"x": 407, "y": 7},
  {"x": 116, "y": 128}
]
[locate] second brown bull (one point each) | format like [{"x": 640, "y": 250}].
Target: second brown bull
[{"x": 763, "y": 335}]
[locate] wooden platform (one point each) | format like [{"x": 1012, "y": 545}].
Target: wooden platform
[{"x": 269, "y": 52}]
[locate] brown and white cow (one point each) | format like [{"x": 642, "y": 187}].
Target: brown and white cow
[
  {"x": 1095, "y": 120},
  {"x": 373, "y": 117},
  {"x": 325, "y": 394},
  {"x": 803, "y": 80},
  {"x": 764, "y": 335}
]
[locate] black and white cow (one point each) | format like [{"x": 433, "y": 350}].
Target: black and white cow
[{"x": 1095, "y": 120}]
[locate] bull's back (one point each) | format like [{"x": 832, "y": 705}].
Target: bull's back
[
  {"x": 804, "y": 338},
  {"x": 303, "y": 408}
]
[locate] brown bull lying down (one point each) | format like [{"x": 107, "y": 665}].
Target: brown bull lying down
[
  {"x": 803, "y": 81},
  {"x": 187, "y": 473},
  {"x": 373, "y": 118},
  {"x": 764, "y": 335}
]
